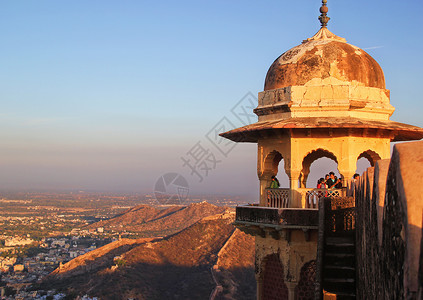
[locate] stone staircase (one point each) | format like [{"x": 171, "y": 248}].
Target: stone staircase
[{"x": 339, "y": 272}]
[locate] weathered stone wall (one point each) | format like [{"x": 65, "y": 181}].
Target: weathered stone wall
[
  {"x": 296, "y": 255},
  {"x": 389, "y": 204},
  {"x": 273, "y": 279}
]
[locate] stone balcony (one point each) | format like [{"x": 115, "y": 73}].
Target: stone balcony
[
  {"x": 279, "y": 218},
  {"x": 275, "y": 222}
]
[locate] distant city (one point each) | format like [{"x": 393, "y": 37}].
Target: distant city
[{"x": 41, "y": 231}]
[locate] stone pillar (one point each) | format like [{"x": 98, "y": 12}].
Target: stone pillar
[
  {"x": 265, "y": 181},
  {"x": 347, "y": 166},
  {"x": 294, "y": 176},
  {"x": 304, "y": 176},
  {"x": 291, "y": 289},
  {"x": 346, "y": 176},
  {"x": 259, "y": 280}
]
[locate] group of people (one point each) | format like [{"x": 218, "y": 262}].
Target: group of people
[
  {"x": 332, "y": 182},
  {"x": 329, "y": 182}
]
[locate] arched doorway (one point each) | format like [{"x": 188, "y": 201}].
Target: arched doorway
[
  {"x": 316, "y": 165},
  {"x": 274, "y": 165}
]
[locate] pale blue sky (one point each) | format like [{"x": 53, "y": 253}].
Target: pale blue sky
[{"x": 108, "y": 95}]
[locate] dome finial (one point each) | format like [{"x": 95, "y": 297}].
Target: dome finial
[
  {"x": 324, "y": 19},
  {"x": 324, "y": 33}
]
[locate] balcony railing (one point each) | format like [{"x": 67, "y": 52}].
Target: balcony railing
[
  {"x": 278, "y": 198},
  {"x": 312, "y": 196},
  {"x": 309, "y": 198}
]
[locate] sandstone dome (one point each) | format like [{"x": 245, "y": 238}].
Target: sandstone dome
[{"x": 324, "y": 56}]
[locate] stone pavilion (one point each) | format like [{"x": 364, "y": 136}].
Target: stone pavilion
[{"x": 322, "y": 98}]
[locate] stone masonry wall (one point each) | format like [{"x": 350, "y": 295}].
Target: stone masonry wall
[{"x": 389, "y": 210}]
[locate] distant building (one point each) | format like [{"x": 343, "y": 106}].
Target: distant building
[
  {"x": 18, "y": 268},
  {"x": 17, "y": 241},
  {"x": 58, "y": 243}
]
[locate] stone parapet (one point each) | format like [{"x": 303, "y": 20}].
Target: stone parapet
[
  {"x": 276, "y": 223},
  {"x": 389, "y": 227},
  {"x": 285, "y": 217}
]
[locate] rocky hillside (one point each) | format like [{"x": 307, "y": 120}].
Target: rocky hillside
[
  {"x": 151, "y": 222},
  {"x": 186, "y": 265},
  {"x": 234, "y": 268}
]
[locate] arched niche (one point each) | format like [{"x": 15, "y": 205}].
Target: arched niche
[
  {"x": 305, "y": 290},
  {"x": 274, "y": 162},
  {"x": 273, "y": 285},
  {"x": 309, "y": 159}
]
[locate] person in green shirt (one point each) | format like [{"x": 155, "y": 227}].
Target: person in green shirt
[{"x": 275, "y": 183}]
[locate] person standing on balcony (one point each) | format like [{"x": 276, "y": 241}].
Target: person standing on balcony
[
  {"x": 321, "y": 183},
  {"x": 275, "y": 183},
  {"x": 331, "y": 181},
  {"x": 327, "y": 177},
  {"x": 351, "y": 187},
  {"x": 338, "y": 184}
]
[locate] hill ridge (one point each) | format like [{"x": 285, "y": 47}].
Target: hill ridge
[
  {"x": 179, "y": 266},
  {"x": 149, "y": 221}
]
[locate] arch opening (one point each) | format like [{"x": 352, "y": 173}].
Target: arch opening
[
  {"x": 272, "y": 164},
  {"x": 366, "y": 160},
  {"x": 317, "y": 164}
]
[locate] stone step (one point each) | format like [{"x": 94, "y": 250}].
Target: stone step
[
  {"x": 340, "y": 260},
  {"x": 341, "y": 268},
  {"x": 340, "y": 240},
  {"x": 342, "y": 296},
  {"x": 333, "y": 271},
  {"x": 342, "y": 234},
  {"x": 339, "y": 255},
  {"x": 340, "y": 249},
  {"x": 346, "y": 294},
  {"x": 340, "y": 280},
  {"x": 339, "y": 285},
  {"x": 340, "y": 244}
]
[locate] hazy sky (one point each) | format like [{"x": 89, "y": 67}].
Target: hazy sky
[{"x": 109, "y": 95}]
